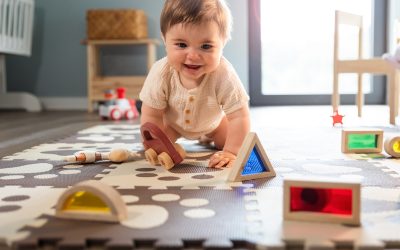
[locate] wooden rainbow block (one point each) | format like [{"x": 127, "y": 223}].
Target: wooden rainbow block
[
  {"x": 362, "y": 140},
  {"x": 322, "y": 200}
]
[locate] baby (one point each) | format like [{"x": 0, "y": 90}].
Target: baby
[{"x": 194, "y": 92}]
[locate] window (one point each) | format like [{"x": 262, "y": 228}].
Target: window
[{"x": 291, "y": 48}]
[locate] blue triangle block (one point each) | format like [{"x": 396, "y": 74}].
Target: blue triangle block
[{"x": 254, "y": 164}]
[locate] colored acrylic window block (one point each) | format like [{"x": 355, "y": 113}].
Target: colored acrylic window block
[
  {"x": 396, "y": 146},
  {"x": 85, "y": 201},
  {"x": 254, "y": 164},
  {"x": 362, "y": 141},
  {"x": 252, "y": 161},
  {"x": 336, "y": 201}
]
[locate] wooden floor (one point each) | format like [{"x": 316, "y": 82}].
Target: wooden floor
[{"x": 20, "y": 130}]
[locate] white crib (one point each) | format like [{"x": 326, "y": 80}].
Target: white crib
[{"x": 16, "y": 24}]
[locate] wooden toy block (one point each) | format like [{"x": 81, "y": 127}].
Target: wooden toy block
[
  {"x": 392, "y": 146},
  {"x": 252, "y": 162},
  {"x": 322, "y": 200},
  {"x": 159, "y": 148},
  {"x": 91, "y": 200},
  {"x": 362, "y": 140}
]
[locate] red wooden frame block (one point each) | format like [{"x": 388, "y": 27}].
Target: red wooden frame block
[{"x": 322, "y": 200}]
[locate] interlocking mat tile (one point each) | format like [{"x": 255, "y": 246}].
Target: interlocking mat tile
[{"x": 191, "y": 205}]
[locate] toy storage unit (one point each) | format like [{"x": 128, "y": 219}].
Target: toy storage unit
[
  {"x": 16, "y": 24},
  {"x": 114, "y": 28}
]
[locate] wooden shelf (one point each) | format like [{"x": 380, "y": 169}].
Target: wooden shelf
[
  {"x": 125, "y": 42},
  {"x": 97, "y": 84}
]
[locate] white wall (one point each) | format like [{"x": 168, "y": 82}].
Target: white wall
[{"x": 57, "y": 67}]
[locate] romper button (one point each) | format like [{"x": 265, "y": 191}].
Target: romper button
[
  {"x": 187, "y": 121},
  {"x": 187, "y": 111},
  {"x": 191, "y": 99}
]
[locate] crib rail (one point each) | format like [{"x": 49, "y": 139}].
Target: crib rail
[{"x": 16, "y": 23}]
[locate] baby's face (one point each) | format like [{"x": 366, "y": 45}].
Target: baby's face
[{"x": 194, "y": 49}]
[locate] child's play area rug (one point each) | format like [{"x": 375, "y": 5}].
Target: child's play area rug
[{"x": 192, "y": 206}]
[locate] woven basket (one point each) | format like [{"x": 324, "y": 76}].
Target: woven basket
[{"x": 116, "y": 24}]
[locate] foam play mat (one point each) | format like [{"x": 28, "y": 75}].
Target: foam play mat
[{"x": 191, "y": 205}]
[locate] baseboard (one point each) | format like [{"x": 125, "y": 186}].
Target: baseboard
[{"x": 64, "y": 103}]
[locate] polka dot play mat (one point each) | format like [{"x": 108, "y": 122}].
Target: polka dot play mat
[{"x": 192, "y": 206}]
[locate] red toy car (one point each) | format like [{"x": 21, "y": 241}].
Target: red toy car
[{"x": 119, "y": 108}]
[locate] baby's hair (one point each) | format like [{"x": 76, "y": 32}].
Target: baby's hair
[{"x": 195, "y": 12}]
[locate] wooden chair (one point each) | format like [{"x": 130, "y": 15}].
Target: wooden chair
[{"x": 360, "y": 66}]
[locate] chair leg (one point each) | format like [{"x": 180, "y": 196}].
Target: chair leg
[
  {"x": 360, "y": 95},
  {"x": 335, "y": 93},
  {"x": 396, "y": 94},
  {"x": 393, "y": 80}
]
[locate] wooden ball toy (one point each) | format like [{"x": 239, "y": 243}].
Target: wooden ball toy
[{"x": 119, "y": 155}]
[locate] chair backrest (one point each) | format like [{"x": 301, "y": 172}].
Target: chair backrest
[
  {"x": 16, "y": 24},
  {"x": 352, "y": 20}
]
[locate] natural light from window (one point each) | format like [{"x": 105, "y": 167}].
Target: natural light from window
[{"x": 297, "y": 45}]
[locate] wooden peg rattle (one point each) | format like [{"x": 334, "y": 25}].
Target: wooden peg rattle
[{"x": 116, "y": 155}]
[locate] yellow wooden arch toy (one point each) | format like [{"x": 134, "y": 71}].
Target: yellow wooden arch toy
[{"x": 91, "y": 200}]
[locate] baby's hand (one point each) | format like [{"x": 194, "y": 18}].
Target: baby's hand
[{"x": 221, "y": 159}]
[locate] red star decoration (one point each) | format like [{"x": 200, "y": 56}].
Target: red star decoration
[{"x": 337, "y": 118}]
